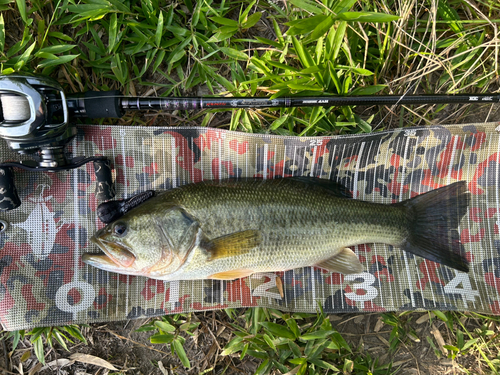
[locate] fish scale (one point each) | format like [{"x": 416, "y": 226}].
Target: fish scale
[{"x": 232, "y": 228}]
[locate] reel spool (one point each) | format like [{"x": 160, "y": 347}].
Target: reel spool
[{"x": 34, "y": 120}]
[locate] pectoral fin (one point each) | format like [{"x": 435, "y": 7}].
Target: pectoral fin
[
  {"x": 231, "y": 275},
  {"x": 345, "y": 262},
  {"x": 233, "y": 244}
]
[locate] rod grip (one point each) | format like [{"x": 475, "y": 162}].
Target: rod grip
[{"x": 99, "y": 104}]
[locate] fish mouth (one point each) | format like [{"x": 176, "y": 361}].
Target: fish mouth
[{"x": 113, "y": 256}]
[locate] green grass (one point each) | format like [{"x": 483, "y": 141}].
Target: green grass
[
  {"x": 274, "y": 48},
  {"x": 310, "y": 344},
  {"x": 265, "y": 48}
]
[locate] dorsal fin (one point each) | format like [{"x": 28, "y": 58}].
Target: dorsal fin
[{"x": 332, "y": 186}]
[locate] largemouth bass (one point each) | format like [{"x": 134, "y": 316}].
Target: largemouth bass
[{"x": 232, "y": 228}]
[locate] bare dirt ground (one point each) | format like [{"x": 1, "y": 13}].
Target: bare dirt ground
[{"x": 130, "y": 351}]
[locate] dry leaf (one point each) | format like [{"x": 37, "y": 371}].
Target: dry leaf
[
  {"x": 132, "y": 88},
  {"x": 400, "y": 363},
  {"x": 439, "y": 339},
  {"x": 424, "y": 318},
  {"x": 447, "y": 362},
  {"x": 20, "y": 368},
  {"x": 412, "y": 336},
  {"x": 361, "y": 343},
  {"x": 25, "y": 356},
  {"x": 162, "y": 368},
  {"x": 492, "y": 325},
  {"x": 367, "y": 323},
  {"x": 58, "y": 363},
  {"x": 294, "y": 370},
  {"x": 279, "y": 285},
  {"x": 378, "y": 326},
  {"x": 220, "y": 330},
  {"x": 359, "y": 319},
  {"x": 383, "y": 358},
  {"x": 384, "y": 340},
  {"x": 35, "y": 369},
  {"x": 92, "y": 360}
]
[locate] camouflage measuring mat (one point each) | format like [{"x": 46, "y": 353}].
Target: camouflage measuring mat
[{"x": 43, "y": 281}]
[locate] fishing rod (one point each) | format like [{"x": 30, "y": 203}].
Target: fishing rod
[
  {"x": 101, "y": 104},
  {"x": 16, "y": 97},
  {"x": 36, "y": 119}
]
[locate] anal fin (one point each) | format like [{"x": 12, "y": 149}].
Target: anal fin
[
  {"x": 231, "y": 275},
  {"x": 345, "y": 262}
]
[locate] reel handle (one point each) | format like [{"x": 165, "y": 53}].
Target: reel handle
[
  {"x": 105, "y": 188},
  {"x": 9, "y": 199}
]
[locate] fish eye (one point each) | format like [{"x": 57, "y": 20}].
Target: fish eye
[{"x": 120, "y": 229}]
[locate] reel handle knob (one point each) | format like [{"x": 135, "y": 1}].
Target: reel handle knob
[
  {"x": 9, "y": 199},
  {"x": 105, "y": 188}
]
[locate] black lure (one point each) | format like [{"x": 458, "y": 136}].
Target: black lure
[{"x": 108, "y": 212}]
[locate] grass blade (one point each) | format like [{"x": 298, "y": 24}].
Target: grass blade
[
  {"x": 252, "y": 20},
  {"x": 159, "y": 30},
  {"x": 181, "y": 353},
  {"x": 113, "y": 27},
  {"x": 307, "y": 5},
  {"x": 58, "y": 61},
  {"x": 235, "y": 54},
  {"x": 225, "y": 21},
  {"x": 21, "y": 6},
  {"x": 336, "y": 38},
  {"x": 278, "y": 330},
  {"x": 343, "y": 6},
  {"x": 60, "y": 48},
  {"x": 367, "y": 17},
  {"x": 2, "y": 33},
  {"x": 369, "y": 90},
  {"x": 23, "y": 59},
  {"x": 322, "y": 28}
]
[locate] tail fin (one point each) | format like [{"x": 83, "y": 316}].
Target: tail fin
[{"x": 433, "y": 225}]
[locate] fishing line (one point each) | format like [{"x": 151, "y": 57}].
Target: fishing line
[{"x": 395, "y": 104}]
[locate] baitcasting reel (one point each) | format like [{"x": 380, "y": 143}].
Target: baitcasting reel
[{"x": 35, "y": 120}]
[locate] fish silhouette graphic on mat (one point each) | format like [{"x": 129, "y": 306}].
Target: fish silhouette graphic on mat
[
  {"x": 232, "y": 228},
  {"x": 41, "y": 227}
]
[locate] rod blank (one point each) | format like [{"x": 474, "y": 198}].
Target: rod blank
[{"x": 196, "y": 103}]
